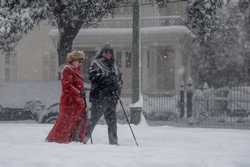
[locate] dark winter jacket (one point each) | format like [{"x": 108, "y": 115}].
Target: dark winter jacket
[{"x": 105, "y": 79}]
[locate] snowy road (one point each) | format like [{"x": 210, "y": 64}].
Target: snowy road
[{"x": 22, "y": 145}]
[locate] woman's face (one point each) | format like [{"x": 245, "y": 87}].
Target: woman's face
[{"x": 76, "y": 63}]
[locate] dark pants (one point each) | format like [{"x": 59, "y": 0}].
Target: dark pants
[{"x": 107, "y": 108}]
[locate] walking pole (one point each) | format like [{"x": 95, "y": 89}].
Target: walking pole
[
  {"x": 120, "y": 101},
  {"x": 91, "y": 140},
  {"x": 126, "y": 116}
]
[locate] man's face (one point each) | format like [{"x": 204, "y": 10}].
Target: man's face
[{"x": 108, "y": 55}]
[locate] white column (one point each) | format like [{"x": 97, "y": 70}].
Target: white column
[
  {"x": 144, "y": 68},
  {"x": 2, "y": 66},
  {"x": 179, "y": 67}
]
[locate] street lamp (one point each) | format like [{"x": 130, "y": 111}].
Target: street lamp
[{"x": 137, "y": 102}]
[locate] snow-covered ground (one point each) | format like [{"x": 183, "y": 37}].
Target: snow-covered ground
[{"x": 23, "y": 145}]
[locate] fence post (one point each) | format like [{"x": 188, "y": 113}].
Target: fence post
[
  {"x": 189, "y": 98},
  {"x": 205, "y": 88},
  {"x": 182, "y": 101}
]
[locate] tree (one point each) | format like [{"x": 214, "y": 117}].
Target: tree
[
  {"x": 205, "y": 20},
  {"x": 202, "y": 18},
  {"x": 218, "y": 52},
  {"x": 19, "y": 17},
  {"x": 244, "y": 6},
  {"x": 70, "y": 16}
]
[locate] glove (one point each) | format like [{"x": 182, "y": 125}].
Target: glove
[
  {"x": 115, "y": 96},
  {"x": 114, "y": 93}
]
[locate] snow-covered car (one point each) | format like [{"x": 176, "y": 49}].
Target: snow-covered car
[
  {"x": 12, "y": 114},
  {"x": 30, "y": 100},
  {"x": 50, "y": 115}
]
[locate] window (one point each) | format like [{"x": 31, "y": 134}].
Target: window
[
  {"x": 119, "y": 58},
  {"x": 248, "y": 67},
  {"x": 7, "y": 74},
  {"x": 128, "y": 59},
  {"x": 148, "y": 59},
  {"x": 7, "y": 59}
]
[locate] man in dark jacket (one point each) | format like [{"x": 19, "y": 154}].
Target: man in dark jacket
[{"x": 106, "y": 85}]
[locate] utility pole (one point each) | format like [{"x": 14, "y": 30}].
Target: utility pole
[{"x": 135, "y": 109}]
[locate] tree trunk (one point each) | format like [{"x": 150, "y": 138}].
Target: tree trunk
[{"x": 67, "y": 34}]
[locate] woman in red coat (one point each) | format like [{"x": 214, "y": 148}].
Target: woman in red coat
[{"x": 71, "y": 121}]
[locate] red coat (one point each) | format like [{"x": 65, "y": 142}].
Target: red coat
[{"x": 71, "y": 120}]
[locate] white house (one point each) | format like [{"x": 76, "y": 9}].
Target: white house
[{"x": 164, "y": 41}]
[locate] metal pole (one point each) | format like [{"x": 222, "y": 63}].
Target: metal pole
[
  {"x": 126, "y": 116},
  {"x": 136, "y": 63},
  {"x": 182, "y": 101}
]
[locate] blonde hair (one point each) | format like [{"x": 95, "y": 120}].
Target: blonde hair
[{"x": 74, "y": 56}]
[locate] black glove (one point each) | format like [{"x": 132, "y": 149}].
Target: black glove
[
  {"x": 115, "y": 96},
  {"x": 114, "y": 93}
]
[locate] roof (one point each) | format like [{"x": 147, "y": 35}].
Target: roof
[{"x": 98, "y": 36}]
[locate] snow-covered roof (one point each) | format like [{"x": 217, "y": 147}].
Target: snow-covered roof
[
  {"x": 119, "y": 31},
  {"x": 98, "y": 36},
  {"x": 231, "y": 1}
]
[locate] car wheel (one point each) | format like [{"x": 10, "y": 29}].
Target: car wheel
[{"x": 50, "y": 119}]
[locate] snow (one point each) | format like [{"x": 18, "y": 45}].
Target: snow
[
  {"x": 138, "y": 104},
  {"x": 16, "y": 94},
  {"x": 181, "y": 71},
  {"x": 160, "y": 104},
  {"x": 125, "y": 18},
  {"x": 23, "y": 145},
  {"x": 143, "y": 122},
  {"x": 144, "y": 30}
]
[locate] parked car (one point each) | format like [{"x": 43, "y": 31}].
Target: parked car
[
  {"x": 12, "y": 114},
  {"x": 30, "y": 100},
  {"x": 50, "y": 115}
]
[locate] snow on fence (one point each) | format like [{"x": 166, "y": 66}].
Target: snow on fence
[{"x": 221, "y": 106}]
